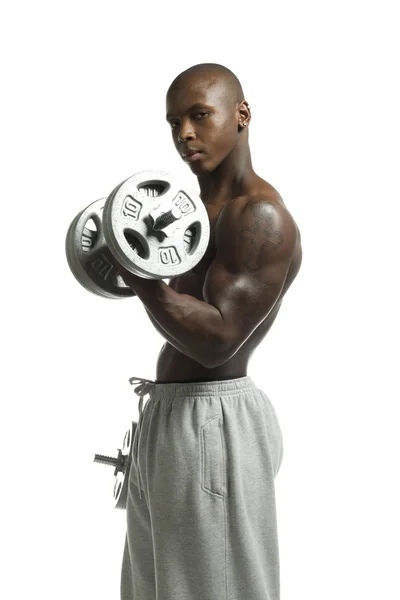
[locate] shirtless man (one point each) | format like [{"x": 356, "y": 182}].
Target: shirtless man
[{"x": 201, "y": 517}]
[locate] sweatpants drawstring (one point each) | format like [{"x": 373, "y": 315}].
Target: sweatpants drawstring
[{"x": 145, "y": 387}]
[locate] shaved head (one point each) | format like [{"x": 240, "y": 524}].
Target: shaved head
[
  {"x": 208, "y": 115},
  {"x": 211, "y": 74}
]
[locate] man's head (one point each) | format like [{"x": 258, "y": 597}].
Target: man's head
[{"x": 207, "y": 112}]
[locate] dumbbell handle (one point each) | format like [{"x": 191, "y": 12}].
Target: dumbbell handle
[
  {"x": 106, "y": 460},
  {"x": 119, "y": 463},
  {"x": 167, "y": 218}
]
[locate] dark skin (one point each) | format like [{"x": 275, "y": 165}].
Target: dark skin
[{"x": 215, "y": 316}]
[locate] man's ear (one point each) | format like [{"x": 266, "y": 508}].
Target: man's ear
[{"x": 244, "y": 114}]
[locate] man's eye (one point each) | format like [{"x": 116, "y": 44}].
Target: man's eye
[
  {"x": 200, "y": 114},
  {"x": 173, "y": 123}
]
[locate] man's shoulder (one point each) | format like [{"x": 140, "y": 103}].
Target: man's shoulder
[
  {"x": 267, "y": 200},
  {"x": 260, "y": 215}
]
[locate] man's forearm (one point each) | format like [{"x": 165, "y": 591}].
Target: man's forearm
[{"x": 193, "y": 327}]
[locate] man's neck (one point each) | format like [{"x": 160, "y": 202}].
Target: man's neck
[{"x": 227, "y": 182}]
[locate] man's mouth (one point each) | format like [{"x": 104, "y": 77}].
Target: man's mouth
[{"x": 192, "y": 156}]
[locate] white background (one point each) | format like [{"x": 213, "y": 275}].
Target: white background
[{"x": 83, "y": 107}]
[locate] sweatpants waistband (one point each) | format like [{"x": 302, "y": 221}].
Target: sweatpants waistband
[{"x": 161, "y": 390}]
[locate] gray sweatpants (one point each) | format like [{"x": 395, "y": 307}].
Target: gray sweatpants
[{"x": 201, "y": 513}]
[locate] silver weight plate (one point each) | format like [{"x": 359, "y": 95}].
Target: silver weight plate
[
  {"x": 121, "y": 482},
  {"x": 89, "y": 257},
  {"x": 156, "y": 237}
]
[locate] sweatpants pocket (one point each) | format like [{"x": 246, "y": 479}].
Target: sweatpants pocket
[{"x": 212, "y": 457}]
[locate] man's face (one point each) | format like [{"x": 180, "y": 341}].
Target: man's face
[{"x": 202, "y": 117}]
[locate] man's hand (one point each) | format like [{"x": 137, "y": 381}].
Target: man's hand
[{"x": 138, "y": 285}]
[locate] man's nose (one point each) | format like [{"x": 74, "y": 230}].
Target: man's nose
[{"x": 186, "y": 132}]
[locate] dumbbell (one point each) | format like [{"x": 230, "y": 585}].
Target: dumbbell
[
  {"x": 152, "y": 225},
  {"x": 122, "y": 466}
]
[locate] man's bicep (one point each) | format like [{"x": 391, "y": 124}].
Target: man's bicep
[
  {"x": 244, "y": 300},
  {"x": 244, "y": 282}
]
